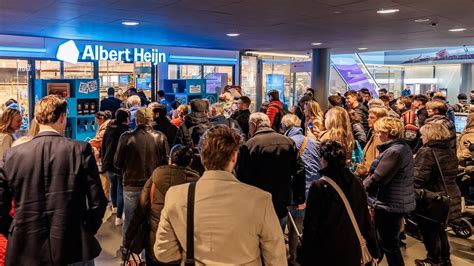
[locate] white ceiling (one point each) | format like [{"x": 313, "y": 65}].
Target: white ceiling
[{"x": 284, "y": 25}]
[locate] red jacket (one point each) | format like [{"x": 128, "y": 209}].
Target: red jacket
[{"x": 273, "y": 108}]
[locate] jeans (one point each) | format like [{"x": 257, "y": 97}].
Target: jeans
[
  {"x": 283, "y": 222},
  {"x": 116, "y": 192},
  {"x": 87, "y": 263},
  {"x": 435, "y": 240},
  {"x": 298, "y": 217},
  {"x": 130, "y": 201},
  {"x": 388, "y": 227}
]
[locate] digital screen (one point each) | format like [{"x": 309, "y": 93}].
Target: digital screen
[
  {"x": 460, "y": 121},
  {"x": 276, "y": 82},
  {"x": 123, "y": 80},
  {"x": 144, "y": 83}
]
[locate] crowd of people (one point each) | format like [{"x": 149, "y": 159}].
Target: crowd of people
[{"x": 218, "y": 184}]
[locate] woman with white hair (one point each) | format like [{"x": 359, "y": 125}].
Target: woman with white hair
[{"x": 134, "y": 103}]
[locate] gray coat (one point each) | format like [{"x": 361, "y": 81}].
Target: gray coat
[{"x": 391, "y": 185}]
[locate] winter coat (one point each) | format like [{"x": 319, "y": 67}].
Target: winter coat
[
  {"x": 270, "y": 162},
  {"x": 328, "y": 235},
  {"x": 359, "y": 134},
  {"x": 363, "y": 112},
  {"x": 163, "y": 178},
  {"x": 242, "y": 117},
  {"x": 109, "y": 145},
  {"x": 443, "y": 120},
  {"x": 427, "y": 173},
  {"x": 229, "y": 122},
  {"x": 139, "y": 152},
  {"x": 59, "y": 201},
  {"x": 273, "y": 108},
  {"x": 391, "y": 185},
  {"x": 193, "y": 119},
  {"x": 111, "y": 104},
  {"x": 164, "y": 126},
  {"x": 310, "y": 155},
  {"x": 465, "y": 156},
  {"x": 96, "y": 142},
  {"x": 422, "y": 115}
]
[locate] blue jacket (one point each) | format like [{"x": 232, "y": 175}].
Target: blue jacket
[
  {"x": 133, "y": 110},
  {"x": 390, "y": 185},
  {"x": 310, "y": 156}
]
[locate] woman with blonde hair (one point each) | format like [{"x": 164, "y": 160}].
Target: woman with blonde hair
[
  {"x": 464, "y": 155},
  {"x": 338, "y": 128},
  {"x": 10, "y": 121},
  {"x": 390, "y": 186},
  {"x": 314, "y": 122}
]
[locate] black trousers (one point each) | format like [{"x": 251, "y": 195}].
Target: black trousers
[
  {"x": 435, "y": 240},
  {"x": 388, "y": 227}
]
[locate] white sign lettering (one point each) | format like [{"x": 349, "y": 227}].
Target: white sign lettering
[{"x": 98, "y": 52}]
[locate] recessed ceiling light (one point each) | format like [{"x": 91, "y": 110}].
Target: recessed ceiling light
[
  {"x": 388, "y": 11},
  {"x": 130, "y": 23},
  {"x": 458, "y": 29},
  {"x": 233, "y": 34},
  {"x": 337, "y": 12},
  {"x": 362, "y": 48},
  {"x": 422, "y": 20},
  {"x": 316, "y": 43}
]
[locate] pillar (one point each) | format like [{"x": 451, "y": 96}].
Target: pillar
[
  {"x": 320, "y": 69},
  {"x": 466, "y": 78}
]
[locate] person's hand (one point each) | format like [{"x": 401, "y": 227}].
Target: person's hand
[
  {"x": 361, "y": 171},
  {"x": 301, "y": 206}
]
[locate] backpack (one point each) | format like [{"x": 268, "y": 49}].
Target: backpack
[
  {"x": 357, "y": 156},
  {"x": 194, "y": 133},
  {"x": 279, "y": 117},
  {"x": 410, "y": 122}
]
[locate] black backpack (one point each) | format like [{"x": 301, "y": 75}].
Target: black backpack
[
  {"x": 194, "y": 133},
  {"x": 278, "y": 118}
]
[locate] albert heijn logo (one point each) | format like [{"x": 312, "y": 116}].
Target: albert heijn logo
[{"x": 69, "y": 52}]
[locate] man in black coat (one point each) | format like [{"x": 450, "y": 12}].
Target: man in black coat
[
  {"x": 269, "y": 160},
  {"x": 243, "y": 114},
  {"x": 110, "y": 103},
  {"x": 162, "y": 123},
  {"x": 59, "y": 201}
]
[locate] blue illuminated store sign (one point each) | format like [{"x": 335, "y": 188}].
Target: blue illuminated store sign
[{"x": 69, "y": 52}]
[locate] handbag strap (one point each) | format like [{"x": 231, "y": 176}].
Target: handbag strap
[
  {"x": 348, "y": 209},
  {"x": 303, "y": 146},
  {"x": 190, "y": 225},
  {"x": 440, "y": 172}
]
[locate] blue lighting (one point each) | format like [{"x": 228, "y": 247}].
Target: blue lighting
[
  {"x": 22, "y": 49},
  {"x": 183, "y": 57}
]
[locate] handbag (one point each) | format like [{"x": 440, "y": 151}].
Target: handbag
[
  {"x": 366, "y": 258},
  {"x": 190, "y": 226},
  {"x": 433, "y": 206}
]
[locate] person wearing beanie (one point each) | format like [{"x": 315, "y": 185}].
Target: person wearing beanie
[
  {"x": 138, "y": 153},
  {"x": 194, "y": 125}
]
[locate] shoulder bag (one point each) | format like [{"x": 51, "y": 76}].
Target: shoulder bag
[
  {"x": 190, "y": 226},
  {"x": 303, "y": 147},
  {"x": 433, "y": 206},
  {"x": 366, "y": 258}
]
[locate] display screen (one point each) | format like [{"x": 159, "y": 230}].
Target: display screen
[
  {"x": 123, "y": 80},
  {"x": 144, "y": 83},
  {"x": 460, "y": 121},
  {"x": 276, "y": 82}
]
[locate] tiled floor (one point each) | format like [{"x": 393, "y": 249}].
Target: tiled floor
[{"x": 110, "y": 237}]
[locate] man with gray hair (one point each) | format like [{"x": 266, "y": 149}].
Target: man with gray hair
[
  {"x": 134, "y": 103},
  {"x": 270, "y": 161}
]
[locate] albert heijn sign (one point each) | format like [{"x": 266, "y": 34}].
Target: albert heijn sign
[{"x": 69, "y": 52}]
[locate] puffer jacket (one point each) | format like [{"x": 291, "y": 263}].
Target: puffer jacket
[
  {"x": 465, "y": 156},
  {"x": 163, "y": 177},
  {"x": 443, "y": 120},
  {"x": 139, "y": 152},
  {"x": 427, "y": 173},
  {"x": 391, "y": 185},
  {"x": 310, "y": 155}
]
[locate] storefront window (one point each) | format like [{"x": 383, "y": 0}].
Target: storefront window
[
  {"x": 123, "y": 76},
  {"x": 249, "y": 79},
  {"x": 190, "y": 72},
  {"x": 46, "y": 69},
  {"x": 14, "y": 85},
  {"x": 220, "y": 69},
  {"x": 172, "y": 71},
  {"x": 277, "y": 76},
  {"x": 80, "y": 70}
]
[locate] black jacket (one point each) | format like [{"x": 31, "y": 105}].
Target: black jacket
[
  {"x": 111, "y": 104},
  {"x": 270, "y": 161},
  {"x": 427, "y": 173},
  {"x": 422, "y": 115},
  {"x": 242, "y": 117},
  {"x": 328, "y": 235},
  {"x": 139, "y": 152},
  {"x": 164, "y": 126},
  {"x": 59, "y": 201},
  {"x": 359, "y": 134},
  {"x": 184, "y": 136},
  {"x": 391, "y": 185},
  {"x": 109, "y": 146},
  {"x": 164, "y": 177},
  {"x": 363, "y": 112}
]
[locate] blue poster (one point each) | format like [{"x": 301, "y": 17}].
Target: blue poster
[{"x": 276, "y": 82}]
